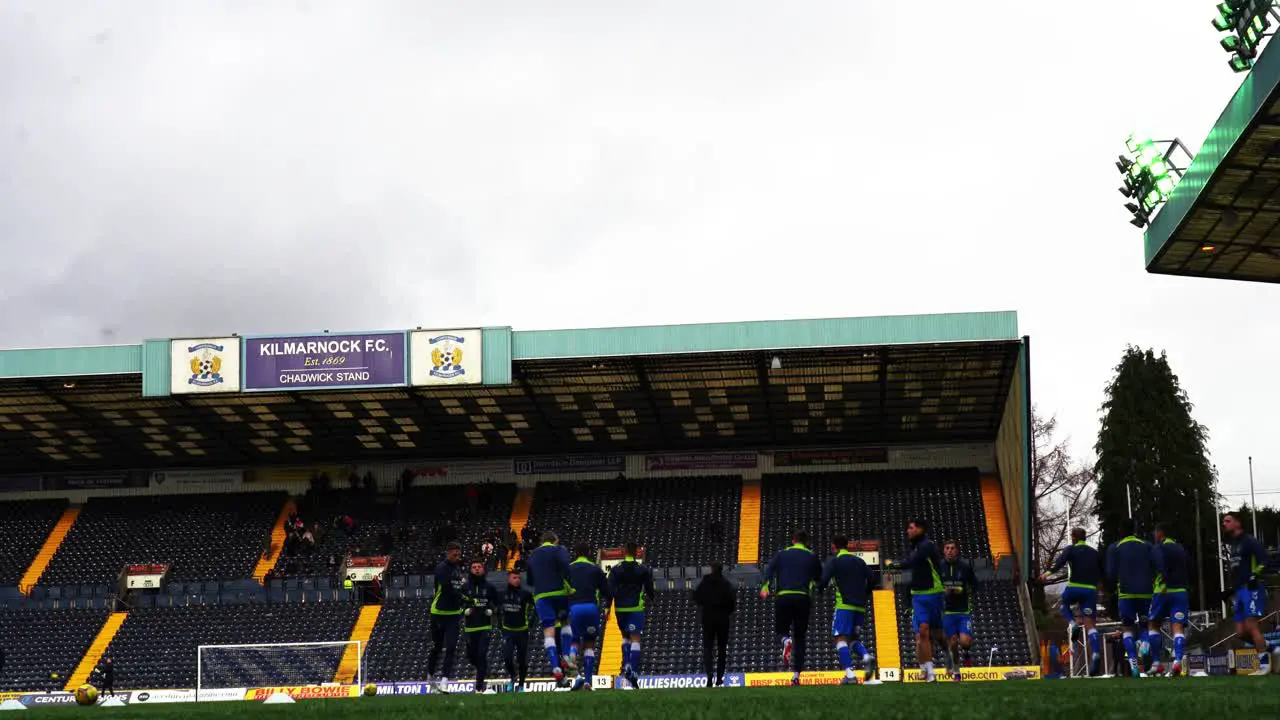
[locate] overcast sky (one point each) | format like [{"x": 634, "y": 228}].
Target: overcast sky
[{"x": 180, "y": 168}]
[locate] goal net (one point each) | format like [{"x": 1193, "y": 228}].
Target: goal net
[{"x": 279, "y": 664}]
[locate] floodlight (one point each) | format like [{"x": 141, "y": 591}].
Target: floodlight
[{"x": 1151, "y": 172}]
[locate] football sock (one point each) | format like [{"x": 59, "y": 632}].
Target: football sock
[
  {"x": 846, "y": 657},
  {"x": 553, "y": 654}
]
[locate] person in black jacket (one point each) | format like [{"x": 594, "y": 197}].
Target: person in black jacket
[
  {"x": 108, "y": 673},
  {"x": 479, "y": 600},
  {"x": 517, "y": 604},
  {"x": 446, "y": 611},
  {"x": 716, "y": 597}
]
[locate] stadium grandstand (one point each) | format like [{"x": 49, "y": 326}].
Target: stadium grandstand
[
  {"x": 300, "y": 489},
  {"x": 1222, "y": 220}
]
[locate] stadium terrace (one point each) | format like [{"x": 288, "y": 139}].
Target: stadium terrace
[{"x": 272, "y": 509}]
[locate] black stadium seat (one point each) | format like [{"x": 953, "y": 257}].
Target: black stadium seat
[
  {"x": 202, "y": 537},
  {"x": 24, "y": 526},
  {"x": 874, "y": 506},
  {"x": 672, "y": 517},
  {"x": 214, "y": 541},
  {"x": 42, "y": 647},
  {"x": 156, "y": 647}
]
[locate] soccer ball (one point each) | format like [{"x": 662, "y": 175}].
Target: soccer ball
[
  {"x": 370, "y": 690},
  {"x": 86, "y": 694}
]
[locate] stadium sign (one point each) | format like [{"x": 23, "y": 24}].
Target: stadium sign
[
  {"x": 565, "y": 464},
  {"x": 445, "y": 357},
  {"x": 679, "y": 682},
  {"x": 983, "y": 674},
  {"x": 204, "y": 365},
  {"x": 156, "y": 697},
  {"x": 1219, "y": 664},
  {"x": 366, "y": 568},
  {"x": 842, "y": 456},
  {"x": 325, "y": 362},
  {"x": 222, "y": 694},
  {"x": 780, "y": 679},
  {"x": 51, "y": 699},
  {"x": 302, "y": 692},
  {"x": 144, "y": 577},
  {"x": 701, "y": 461},
  {"x": 197, "y": 479},
  {"x": 21, "y": 483}
]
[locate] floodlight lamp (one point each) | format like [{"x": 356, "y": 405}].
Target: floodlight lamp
[
  {"x": 1132, "y": 207},
  {"x": 1240, "y": 64},
  {"x": 1230, "y": 43},
  {"x": 1207, "y": 248},
  {"x": 1126, "y": 192},
  {"x": 1138, "y": 221},
  {"x": 1124, "y": 165}
]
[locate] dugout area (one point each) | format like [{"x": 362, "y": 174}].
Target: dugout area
[{"x": 1223, "y": 219}]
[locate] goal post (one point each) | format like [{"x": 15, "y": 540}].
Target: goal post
[{"x": 337, "y": 662}]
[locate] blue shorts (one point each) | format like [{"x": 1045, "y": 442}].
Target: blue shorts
[
  {"x": 584, "y": 618},
  {"x": 631, "y": 623},
  {"x": 1133, "y": 611},
  {"x": 1086, "y": 598},
  {"x": 926, "y": 610},
  {"x": 953, "y": 625},
  {"x": 1171, "y": 606},
  {"x": 1250, "y": 603},
  {"x": 847, "y": 623},
  {"x": 552, "y": 611}
]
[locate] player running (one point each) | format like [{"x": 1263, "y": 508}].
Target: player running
[
  {"x": 446, "y": 610},
  {"x": 854, "y": 582},
  {"x": 792, "y": 574},
  {"x": 548, "y": 570},
  {"x": 516, "y": 605},
  {"x": 1084, "y": 571},
  {"x": 926, "y": 594},
  {"x": 1170, "y": 601},
  {"x": 957, "y": 613},
  {"x": 1248, "y": 595},
  {"x": 630, "y": 586},
  {"x": 479, "y": 598},
  {"x": 588, "y": 595},
  {"x": 1132, "y": 568}
]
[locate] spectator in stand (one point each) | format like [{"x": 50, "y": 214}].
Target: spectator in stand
[
  {"x": 473, "y": 501},
  {"x": 487, "y": 555}
]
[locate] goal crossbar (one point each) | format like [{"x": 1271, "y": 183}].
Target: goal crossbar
[{"x": 353, "y": 653}]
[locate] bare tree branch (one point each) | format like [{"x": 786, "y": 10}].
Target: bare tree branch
[{"x": 1063, "y": 489}]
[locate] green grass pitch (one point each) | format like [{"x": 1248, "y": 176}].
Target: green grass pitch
[{"x": 1202, "y": 698}]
